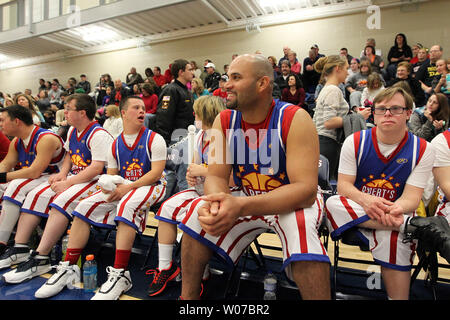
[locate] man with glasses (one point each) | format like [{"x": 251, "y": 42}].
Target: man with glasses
[
  {"x": 55, "y": 199},
  {"x": 428, "y": 70},
  {"x": 382, "y": 174}
]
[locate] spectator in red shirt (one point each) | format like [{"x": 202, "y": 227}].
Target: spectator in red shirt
[
  {"x": 168, "y": 74},
  {"x": 294, "y": 93},
  {"x": 158, "y": 77},
  {"x": 151, "y": 102},
  {"x": 4, "y": 146},
  {"x": 221, "y": 91}
]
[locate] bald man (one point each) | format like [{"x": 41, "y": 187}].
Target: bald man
[
  {"x": 260, "y": 141},
  {"x": 119, "y": 92}
]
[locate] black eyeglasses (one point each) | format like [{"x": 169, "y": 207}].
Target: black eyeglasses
[{"x": 392, "y": 110}]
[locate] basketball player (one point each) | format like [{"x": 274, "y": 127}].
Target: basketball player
[
  {"x": 34, "y": 153},
  {"x": 382, "y": 174},
  {"x": 441, "y": 172},
  {"x": 280, "y": 192},
  {"x": 87, "y": 145},
  {"x": 138, "y": 155}
]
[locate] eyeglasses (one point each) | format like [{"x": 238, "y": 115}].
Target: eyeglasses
[{"x": 393, "y": 110}]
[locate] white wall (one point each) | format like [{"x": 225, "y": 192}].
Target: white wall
[{"x": 429, "y": 25}]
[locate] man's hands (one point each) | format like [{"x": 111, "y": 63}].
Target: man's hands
[
  {"x": 118, "y": 193},
  {"x": 384, "y": 211},
  {"x": 219, "y": 213}
]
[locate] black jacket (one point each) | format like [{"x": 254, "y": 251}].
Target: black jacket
[
  {"x": 174, "y": 110},
  {"x": 212, "y": 81}
]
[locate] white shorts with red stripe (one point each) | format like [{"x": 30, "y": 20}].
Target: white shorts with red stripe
[
  {"x": 173, "y": 210},
  {"x": 387, "y": 246},
  {"x": 17, "y": 190},
  {"x": 444, "y": 210},
  {"x": 132, "y": 209},
  {"x": 41, "y": 199},
  {"x": 298, "y": 233}
]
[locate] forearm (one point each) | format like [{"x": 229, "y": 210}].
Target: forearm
[
  {"x": 149, "y": 178},
  {"x": 25, "y": 173},
  {"x": 349, "y": 191},
  {"x": 87, "y": 174},
  {"x": 280, "y": 200},
  {"x": 214, "y": 184},
  {"x": 334, "y": 123}
]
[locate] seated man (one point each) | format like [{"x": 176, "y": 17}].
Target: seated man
[
  {"x": 137, "y": 158},
  {"x": 34, "y": 153},
  {"x": 382, "y": 174},
  {"x": 87, "y": 145},
  {"x": 441, "y": 172},
  {"x": 227, "y": 225}
]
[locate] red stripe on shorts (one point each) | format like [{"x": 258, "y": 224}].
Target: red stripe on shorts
[
  {"x": 79, "y": 193},
  {"x": 301, "y": 225},
  {"x": 349, "y": 209},
  {"x": 36, "y": 197},
  {"x": 393, "y": 248},
  {"x": 20, "y": 187}
]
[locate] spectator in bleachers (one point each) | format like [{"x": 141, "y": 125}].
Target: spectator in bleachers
[
  {"x": 399, "y": 52},
  {"x": 151, "y": 102},
  {"x": 113, "y": 123},
  {"x": 310, "y": 76},
  {"x": 148, "y": 73},
  {"x": 428, "y": 71},
  {"x": 415, "y": 52},
  {"x": 107, "y": 98},
  {"x": 321, "y": 84},
  {"x": 422, "y": 57},
  {"x": 119, "y": 92},
  {"x": 42, "y": 85},
  {"x": 197, "y": 71},
  {"x": 100, "y": 88},
  {"x": 160, "y": 80},
  {"x": 294, "y": 93},
  {"x": 281, "y": 80},
  {"x": 286, "y": 50},
  {"x": 71, "y": 86},
  {"x": 4, "y": 145},
  {"x": 296, "y": 66},
  {"x": 168, "y": 74},
  {"x": 430, "y": 120},
  {"x": 43, "y": 103},
  {"x": 344, "y": 53},
  {"x": 213, "y": 77},
  {"x": 374, "y": 86},
  {"x": 354, "y": 67},
  {"x": 54, "y": 94},
  {"x": 136, "y": 90},
  {"x": 221, "y": 92},
  {"x": 198, "y": 89},
  {"x": 27, "y": 102},
  {"x": 404, "y": 74},
  {"x": 276, "y": 68},
  {"x": 133, "y": 78},
  {"x": 375, "y": 60},
  {"x": 204, "y": 74},
  {"x": 84, "y": 84},
  {"x": 356, "y": 83},
  {"x": 370, "y": 42},
  {"x": 441, "y": 83},
  {"x": 330, "y": 108}
]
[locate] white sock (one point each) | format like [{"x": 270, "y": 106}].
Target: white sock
[
  {"x": 8, "y": 219},
  {"x": 18, "y": 245},
  {"x": 165, "y": 255}
]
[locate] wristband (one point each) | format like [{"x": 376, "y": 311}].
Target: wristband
[{"x": 3, "y": 177}]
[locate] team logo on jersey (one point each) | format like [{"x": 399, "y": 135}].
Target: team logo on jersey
[
  {"x": 134, "y": 170},
  {"x": 78, "y": 163},
  {"x": 255, "y": 183},
  {"x": 384, "y": 188},
  {"x": 402, "y": 161}
]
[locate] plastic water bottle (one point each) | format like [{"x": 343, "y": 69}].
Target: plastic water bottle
[
  {"x": 270, "y": 286},
  {"x": 90, "y": 274}
]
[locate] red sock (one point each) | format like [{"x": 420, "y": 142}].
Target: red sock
[
  {"x": 122, "y": 258},
  {"x": 72, "y": 255}
]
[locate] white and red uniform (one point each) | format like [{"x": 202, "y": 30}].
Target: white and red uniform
[
  {"x": 83, "y": 148},
  {"x": 259, "y": 168},
  {"x": 442, "y": 146},
  {"x": 17, "y": 190},
  {"x": 383, "y": 171},
  {"x": 132, "y": 156}
]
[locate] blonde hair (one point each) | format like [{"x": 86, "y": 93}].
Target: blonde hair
[
  {"x": 372, "y": 79},
  {"x": 390, "y": 92},
  {"x": 113, "y": 110},
  {"x": 325, "y": 65},
  {"x": 200, "y": 86},
  {"x": 405, "y": 64},
  {"x": 207, "y": 108}
]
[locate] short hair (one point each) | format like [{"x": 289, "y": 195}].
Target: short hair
[
  {"x": 344, "y": 49},
  {"x": 286, "y": 62},
  {"x": 405, "y": 64},
  {"x": 84, "y": 102},
  {"x": 177, "y": 65},
  {"x": 124, "y": 102},
  {"x": 207, "y": 108},
  {"x": 389, "y": 93},
  {"x": 371, "y": 47},
  {"x": 18, "y": 112}
]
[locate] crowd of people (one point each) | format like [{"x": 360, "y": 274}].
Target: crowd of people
[{"x": 78, "y": 156}]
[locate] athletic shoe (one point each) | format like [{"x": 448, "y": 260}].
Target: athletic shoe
[
  {"x": 433, "y": 232},
  {"x": 119, "y": 282},
  {"x": 14, "y": 255},
  {"x": 66, "y": 275},
  {"x": 161, "y": 279},
  {"x": 33, "y": 267}
]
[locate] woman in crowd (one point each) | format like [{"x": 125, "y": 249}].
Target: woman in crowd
[
  {"x": 330, "y": 108},
  {"x": 376, "y": 61},
  {"x": 399, "y": 52},
  {"x": 150, "y": 102},
  {"x": 356, "y": 83},
  {"x": 276, "y": 68},
  {"x": 430, "y": 120},
  {"x": 198, "y": 89},
  {"x": 354, "y": 67},
  {"x": 113, "y": 124},
  {"x": 294, "y": 93},
  {"x": 43, "y": 103},
  {"x": 296, "y": 66},
  {"x": 404, "y": 74},
  {"x": 27, "y": 102}
]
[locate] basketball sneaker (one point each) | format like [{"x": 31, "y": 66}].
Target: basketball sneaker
[
  {"x": 65, "y": 275},
  {"x": 34, "y": 266},
  {"x": 118, "y": 282},
  {"x": 161, "y": 278},
  {"x": 432, "y": 232},
  {"x": 14, "y": 255}
]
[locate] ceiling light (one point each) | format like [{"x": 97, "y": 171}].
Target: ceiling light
[{"x": 95, "y": 33}]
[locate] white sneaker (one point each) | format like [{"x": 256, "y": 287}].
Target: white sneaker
[
  {"x": 33, "y": 267},
  {"x": 119, "y": 282},
  {"x": 66, "y": 275},
  {"x": 14, "y": 255}
]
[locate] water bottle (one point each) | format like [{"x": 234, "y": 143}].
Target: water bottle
[
  {"x": 270, "y": 286},
  {"x": 64, "y": 244},
  {"x": 90, "y": 274}
]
